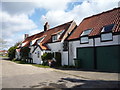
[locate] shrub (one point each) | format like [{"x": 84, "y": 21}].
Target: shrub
[
  {"x": 24, "y": 53},
  {"x": 45, "y": 57},
  {"x": 11, "y": 52}
]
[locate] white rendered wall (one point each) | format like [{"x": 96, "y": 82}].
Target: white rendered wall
[
  {"x": 73, "y": 45},
  {"x": 65, "y": 58},
  {"x": 58, "y": 47},
  {"x": 115, "y": 41},
  {"x": 72, "y": 49},
  {"x": 35, "y": 56},
  {"x": 55, "y": 47},
  {"x": 17, "y": 55}
]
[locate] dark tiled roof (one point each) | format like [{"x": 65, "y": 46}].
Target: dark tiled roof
[
  {"x": 47, "y": 35},
  {"x": 96, "y": 22}
]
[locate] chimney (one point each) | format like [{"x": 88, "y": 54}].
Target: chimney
[
  {"x": 46, "y": 26},
  {"x": 26, "y": 35}
]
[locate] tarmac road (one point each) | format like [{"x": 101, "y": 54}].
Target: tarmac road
[{"x": 28, "y": 76}]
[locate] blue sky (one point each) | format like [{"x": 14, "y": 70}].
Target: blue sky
[{"x": 29, "y": 16}]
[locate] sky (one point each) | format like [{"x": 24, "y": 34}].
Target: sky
[{"x": 29, "y": 16}]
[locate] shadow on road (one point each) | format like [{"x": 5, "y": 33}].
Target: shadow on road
[{"x": 93, "y": 83}]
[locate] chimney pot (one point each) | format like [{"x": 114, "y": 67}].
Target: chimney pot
[
  {"x": 26, "y": 35},
  {"x": 46, "y": 26}
]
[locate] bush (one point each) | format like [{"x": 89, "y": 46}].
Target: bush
[
  {"x": 11, "y": 52},
  {"x": 45, "y": 57},
  {"x": 24, "y": 52}
]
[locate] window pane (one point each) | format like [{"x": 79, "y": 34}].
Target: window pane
[
  {"x": 107, "y": 36},
  {"x": 108, "y": 28},
  {"x": 84, "y": 40},
  {"x": 86, "y": 32}
]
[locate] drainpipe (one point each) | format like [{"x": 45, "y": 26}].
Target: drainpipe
[
  {"x": 95, "y": 55},
  {"x": 68, "y": 53}
]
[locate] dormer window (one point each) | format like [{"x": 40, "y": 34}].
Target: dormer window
[
  {"x": 55, "y": 37},
  {"x": 31, "y": 43},
  {"x": 84, "y": 36},
  {"x": 106, "y": 33}
]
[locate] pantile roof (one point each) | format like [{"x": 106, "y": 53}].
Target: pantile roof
[
  {"x": 96, "y": 22},
  {"x": 47, "y": 35}
]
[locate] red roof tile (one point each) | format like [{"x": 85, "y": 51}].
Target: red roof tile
[
  {"x": 97, "y": 22},
  {"x": 48, "y": 35}
]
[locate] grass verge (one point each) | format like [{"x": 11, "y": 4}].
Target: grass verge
[{"x": 36, "y": 65}]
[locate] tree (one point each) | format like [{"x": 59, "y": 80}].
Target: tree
[
  {"x": 24, "y": 53},
  {"x": 11, "y": 52}
]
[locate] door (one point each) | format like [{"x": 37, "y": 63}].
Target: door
[
  {"x": 108, "y": 58},
  {"x": 86, "y": 57}
]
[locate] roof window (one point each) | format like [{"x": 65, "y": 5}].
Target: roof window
[
  {"x": 108, "y": 28},
  {"x": 86, "y": 32}
]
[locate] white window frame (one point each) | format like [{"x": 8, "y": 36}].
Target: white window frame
[
  {"x": 106, "y": 36},
  {"x": 54, "y": 38},
  {"x": 84, "y": 39}
]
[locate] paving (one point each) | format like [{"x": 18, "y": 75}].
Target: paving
[{"x": 28, "y": 76}]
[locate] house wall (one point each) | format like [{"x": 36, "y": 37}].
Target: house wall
[
  {"x": 72, "y": 49},
  {"x": 17, "y": 55},
  {"x": 55, "y": 47},
  {"x": 73, "y": 45},
  {"x": 115, "y": 41},
  {"x": 35, "y": 57},
  {"x": 65, "y": 58},
  {"x": 58, "y": 47}
]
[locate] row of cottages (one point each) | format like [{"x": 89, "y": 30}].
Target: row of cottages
[
  {"x": 50, "y": 40},
  {"x": 95, "y": 42}
]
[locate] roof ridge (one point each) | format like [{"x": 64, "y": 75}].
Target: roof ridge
[
  {"x": 51, "y": 28},
  {"x": 102, "y": 13},
  {"x": 60, "y": 25}
]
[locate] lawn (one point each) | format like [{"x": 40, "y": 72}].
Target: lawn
[{"x": 36, "y": 65}]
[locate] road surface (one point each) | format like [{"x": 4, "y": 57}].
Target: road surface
[{"x": 28, "y": 76}]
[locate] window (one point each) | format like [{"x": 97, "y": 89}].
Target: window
[
  {"x": 31, "y": 43},
  {"x": 84, "y": 40},
  {"x": 84, "y": 36},
  {"x": 107, "y": 33},
  {"x": 38, "y": 54},
  {"x": 86, "y": 32},
  {"x": 106, "y": 36},
  {"x": 57, "y": 36},
  {"x": 108, "y": 28},
  {"x": 54, "y": 38},
  {"x": 65, "y": 46}
]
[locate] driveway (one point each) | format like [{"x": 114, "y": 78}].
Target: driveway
[{"x": 28, "y": 76}]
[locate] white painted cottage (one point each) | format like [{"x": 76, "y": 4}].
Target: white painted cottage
[{"x": 50, "y": 40}]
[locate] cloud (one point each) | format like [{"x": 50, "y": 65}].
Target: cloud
[
  {"x": 15, "y": 21},
  {"x": 14, "y": 26},
  {"x": 79, "y": 12}
]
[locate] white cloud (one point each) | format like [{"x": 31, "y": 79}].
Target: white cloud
[
  {"x": 16, "y": 23},
  {"x": 79, "y": 12}
]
